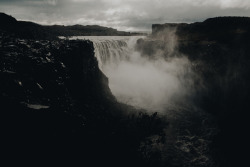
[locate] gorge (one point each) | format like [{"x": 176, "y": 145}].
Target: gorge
[{"x": 178, "y": 97}]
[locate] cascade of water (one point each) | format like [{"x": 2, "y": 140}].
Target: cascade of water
[
  {"x": 134, "y": 79},
  {"x": 111, "y": 52},
  {"x": 156, "y": 85}
]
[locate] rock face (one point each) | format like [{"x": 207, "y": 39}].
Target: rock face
[
  {"x": 56, "y": 105},
  {"x": 211, "y": 25},
  {"x": 218, "y": 49},
  {"x": 42, "y": 70},
  {"x": 7, "y": 20},
  {"x": 49, "y": 89}
]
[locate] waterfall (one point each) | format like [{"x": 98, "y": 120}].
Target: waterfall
[
  {"x": 111, "y": 52},
  {"x": 134, "y": 79},
  {"x": 158, "y": 85}
]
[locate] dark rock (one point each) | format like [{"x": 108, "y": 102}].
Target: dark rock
[
  {"x": 218, "y": 49},
  {"x": 56, "y": 103}
]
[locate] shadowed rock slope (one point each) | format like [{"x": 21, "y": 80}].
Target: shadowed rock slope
[
  {"x": 219, "y": 51},
  {"x": 56, "y": 105}
]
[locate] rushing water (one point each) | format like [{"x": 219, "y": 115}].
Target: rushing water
[{"x": 112, "y": 50}]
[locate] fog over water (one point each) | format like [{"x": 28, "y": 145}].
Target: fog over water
[{"x": 155, "y": 85}]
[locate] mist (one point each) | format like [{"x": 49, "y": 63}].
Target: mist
[
  {"x": 151, "y": 85},
  {"x": 156, "y": 83}
]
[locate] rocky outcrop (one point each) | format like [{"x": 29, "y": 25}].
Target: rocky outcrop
[
  {"x": 50, "y": 93},
  {"x": 221, "y": 56},
  {"x": 211, "y": 29},
  {"x": 218, "y": 49},
  {"x": 7, "y": 20},
  {"x": 56, "y": 105}
]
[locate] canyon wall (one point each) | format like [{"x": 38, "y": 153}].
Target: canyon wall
[
  {"x": 218, "y": 50},
  {"x": 56, "y": 105}
]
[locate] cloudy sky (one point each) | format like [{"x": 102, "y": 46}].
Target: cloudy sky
[{"x": 122, "y": 14}]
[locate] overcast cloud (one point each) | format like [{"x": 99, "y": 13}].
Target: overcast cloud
[{"x": 122, "y": 14}]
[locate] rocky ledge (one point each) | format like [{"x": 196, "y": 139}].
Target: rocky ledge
[
  {"x": 218, "y": 50},
  {"x": 56, "y": 104}
]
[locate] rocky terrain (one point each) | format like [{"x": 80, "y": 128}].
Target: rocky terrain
[
  {"x": 218, "y": 49},
  {"x": 56, "y": 105}
]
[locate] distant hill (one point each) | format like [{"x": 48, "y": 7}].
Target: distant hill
[
  {"x": 32, "y": 30},
  {"x": 78, "y": 30},
  {"x": 7, "y": 20}
]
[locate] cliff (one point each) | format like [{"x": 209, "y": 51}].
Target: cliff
[
  {"x": 56, "y": 107},
  {"x": 213, "y": 28},
  {"x": 50, "y": 92},
  {"x": 218, "y": 50}
]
